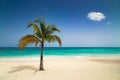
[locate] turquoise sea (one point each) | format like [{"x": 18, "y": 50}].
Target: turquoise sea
[{"x": 60, "y": 51}]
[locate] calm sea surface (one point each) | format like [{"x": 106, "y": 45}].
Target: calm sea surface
[{"x": 60, "y": 51}]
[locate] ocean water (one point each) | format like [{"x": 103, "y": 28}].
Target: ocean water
[{"x": 60, "y": 51}]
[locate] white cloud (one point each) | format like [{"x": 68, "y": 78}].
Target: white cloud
[{"x": 96, "y": 16}]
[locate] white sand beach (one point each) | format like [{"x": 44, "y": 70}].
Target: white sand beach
[{"x": 60, "y": 68}]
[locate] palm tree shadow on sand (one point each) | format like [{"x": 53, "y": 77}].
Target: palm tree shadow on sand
[{"x": 21, "y": 68}]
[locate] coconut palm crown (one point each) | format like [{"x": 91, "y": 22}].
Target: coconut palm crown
[{"x": 41, "y": 34}]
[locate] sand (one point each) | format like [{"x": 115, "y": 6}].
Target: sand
[{"x": 60, "y": 68}]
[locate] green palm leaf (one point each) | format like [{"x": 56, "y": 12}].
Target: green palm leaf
[
  {"x": 42, "y": 24},
  {"x": 53, "y": 38},
  {"x": 36, "y": 29},
  {"x": 57, "y": 38},
  {"x": 53, "y": 28},
  {"x": 34, "y": 26}
]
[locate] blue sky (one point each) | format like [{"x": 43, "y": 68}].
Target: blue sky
[{"x": 83, "y": 23}]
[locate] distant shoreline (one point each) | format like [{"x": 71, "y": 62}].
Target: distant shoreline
[{"x": 46, "y": 58}]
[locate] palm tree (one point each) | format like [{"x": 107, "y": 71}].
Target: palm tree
[{"x": 40, "y": 35}]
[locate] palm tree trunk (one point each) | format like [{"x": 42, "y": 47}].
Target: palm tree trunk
[{"x": 41, "y": 57}]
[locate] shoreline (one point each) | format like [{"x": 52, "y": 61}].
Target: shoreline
[{"x": 46, "y": 58}]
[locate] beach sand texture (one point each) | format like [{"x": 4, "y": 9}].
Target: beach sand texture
[{"x": 61, "y": 68}]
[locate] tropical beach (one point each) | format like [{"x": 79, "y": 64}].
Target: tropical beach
[
  {"x": 76, "y": 66},
  {"x": 61, "y": 68},
  {"x": 59, "y": 40}
]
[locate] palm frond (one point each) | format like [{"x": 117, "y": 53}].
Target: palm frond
[
  {"x": 36, "y": 29},
  {"x": 53, "y": 28},
  {"x": 41, "y": 34},
  {"x": 53, "y": 38},
  {"x": 47, "y": 31},
  {"x": 50, "y": 38},
  {"x": 34, "y": 26},
  {"x": 28, "y": 39},
  {"x": 50, "y": 30},
  {"x": 42, "y": 24},
  {"x": 57, "y": 38}
]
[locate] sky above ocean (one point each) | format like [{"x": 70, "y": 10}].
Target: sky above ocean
[{"x": 83, "y": 23}]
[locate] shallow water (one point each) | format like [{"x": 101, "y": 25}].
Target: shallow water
[{"x": 60, "y": 51}]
